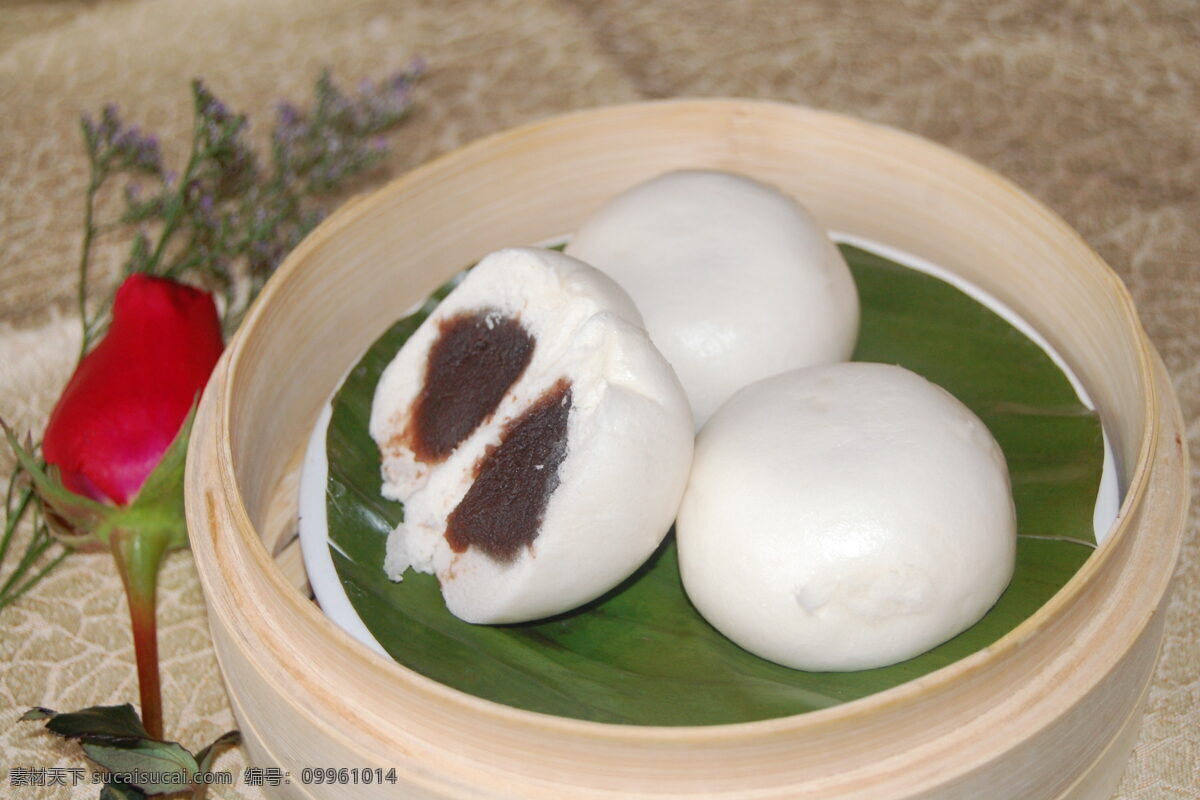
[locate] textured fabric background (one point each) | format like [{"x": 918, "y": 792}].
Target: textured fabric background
[{"x": 1092, "y": 106}]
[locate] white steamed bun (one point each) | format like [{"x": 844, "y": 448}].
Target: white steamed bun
[
  {"x": 538, "y": 440},
  {"x": 845, "y": 517},
  {"x": 735, "y": 280}
]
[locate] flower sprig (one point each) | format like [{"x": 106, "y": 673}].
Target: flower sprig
[
  {"x": 227, "y": 219},
  {"x": 224, "y": 221}
]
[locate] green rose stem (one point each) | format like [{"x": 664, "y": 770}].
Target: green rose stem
[
  {"x": 138, "y": 535},
  {"x": 138, "y": 559}
]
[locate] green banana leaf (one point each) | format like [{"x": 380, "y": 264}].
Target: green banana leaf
[{"x": 641, "y": 654}]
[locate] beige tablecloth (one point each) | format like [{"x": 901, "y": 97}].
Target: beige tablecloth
[{"x": 1093, "y": 106}]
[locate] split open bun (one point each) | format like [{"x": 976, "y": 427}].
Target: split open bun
[
  {"x": 539, "y": 441},
  {"x": 845, "y": 517},
  {"x": 736, "y": 281}
]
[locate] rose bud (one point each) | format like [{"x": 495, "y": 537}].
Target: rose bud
[
  {"x": 129, "y": 396},
  {"x": 116, "y": 443}
]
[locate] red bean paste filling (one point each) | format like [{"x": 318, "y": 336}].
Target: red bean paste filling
[
  {"x": 476, "y": 358},
  {"x": 503, "y": 509}
]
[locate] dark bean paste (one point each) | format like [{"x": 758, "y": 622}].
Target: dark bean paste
[
  {"x": 476, "y": 358},
  {"x": 503, "y": 509}
]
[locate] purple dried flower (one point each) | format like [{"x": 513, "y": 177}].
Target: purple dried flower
[
  {"x": 136, "y": 151},
  {"x": 217, "y": 110},
  {"x": 286, "y": 114},
  {"x": 110, "y": 123}
]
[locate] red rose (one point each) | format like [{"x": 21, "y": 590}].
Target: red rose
[
  {"x": 129, "y": 396},
  {"x": 118, "y": 441}
]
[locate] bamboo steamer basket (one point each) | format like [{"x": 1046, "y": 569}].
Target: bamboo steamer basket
[{"x": 1049, "y": 711}]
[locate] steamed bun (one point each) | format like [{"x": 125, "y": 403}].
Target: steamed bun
[
  {"x": 735, "y": 280},
  {"x": 538, "y": 440},
  {"x": 845, "y": 517}
]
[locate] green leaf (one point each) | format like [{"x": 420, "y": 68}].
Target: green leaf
[
  {"x": 37, "y": 713},
  {"x": 154, "y": 767},
  {"x": 75, "y": 518},
  {"x": 164, "y": 484},
  {"x": 159, "y": 504},
  {"x": 115, "y": 790},
  {"x": 114, "y": 737},
  {"x": 1052, "y": 442},
  {"x": 208, "y": 755},
  {"x": 99, "y": 724},
  {"x": 641, "y": 654}
]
